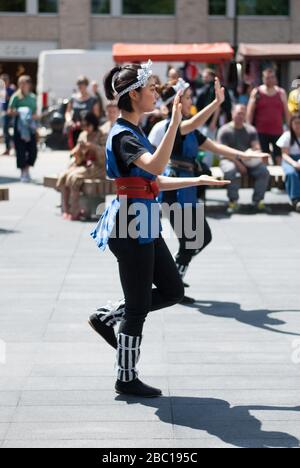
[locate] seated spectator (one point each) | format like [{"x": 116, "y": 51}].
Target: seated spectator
[
  {"x": 88, "y": 162},
  {"x": 79, "y": 106},
  {"x": 112, "y": 113},
  {"x": 290, "y": 144},
  {"x": 242, "y": 137}
]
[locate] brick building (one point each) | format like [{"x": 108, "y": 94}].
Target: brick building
[{"x": 30, "y": 26}]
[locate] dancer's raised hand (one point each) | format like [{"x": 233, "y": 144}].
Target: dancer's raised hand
[
  {"x": 219, "y": 91},
  {"x": 177, "y": 110}
]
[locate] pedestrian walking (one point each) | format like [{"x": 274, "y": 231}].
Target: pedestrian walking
[{"x": 23, "y": 107}]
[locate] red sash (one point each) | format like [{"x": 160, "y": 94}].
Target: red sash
[{"x": 137, "y": 187}]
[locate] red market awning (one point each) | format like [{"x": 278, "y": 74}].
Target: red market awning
[
  {"x": 269, "y": 51},
  {"x": 202, "y": 53}
]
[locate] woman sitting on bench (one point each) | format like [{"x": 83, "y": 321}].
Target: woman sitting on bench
[
  {"x": 290, "y": 144},
  {"x": 88, "y": 162}
]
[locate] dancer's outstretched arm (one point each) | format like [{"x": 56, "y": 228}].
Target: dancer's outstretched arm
[
  {"x": 173, "y": 183},
  {"x": 188, "y": 126}
]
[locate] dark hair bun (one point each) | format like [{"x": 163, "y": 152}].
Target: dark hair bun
[
  {"x": 119, "y": 79},
  {"x": 108, "y": 83},
  {"x": 167, "y": 93}
]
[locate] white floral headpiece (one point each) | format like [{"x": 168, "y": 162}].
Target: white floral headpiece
[
  {"x": 181, "y": 85},
  {"x": 143, "y": 75}
]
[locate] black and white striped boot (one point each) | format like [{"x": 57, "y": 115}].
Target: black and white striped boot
[
  {"x": 182, "y": 270},
  {"x": 104, "y": 321},
  {"x": 128, "y": 355}
]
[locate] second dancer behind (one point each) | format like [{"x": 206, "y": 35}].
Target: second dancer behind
[{"x": 184, "y": 160}]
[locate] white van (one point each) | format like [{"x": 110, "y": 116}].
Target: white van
[{"x": 59, "y": 70}]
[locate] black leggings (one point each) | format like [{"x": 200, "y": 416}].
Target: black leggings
[
  {"x": 184, "y": 255},
  {"x": 141, "y": 266},
  {"x": 26, "y": 152}
]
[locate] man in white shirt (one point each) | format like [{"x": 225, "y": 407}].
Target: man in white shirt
[{"x": 241, "y": 136}]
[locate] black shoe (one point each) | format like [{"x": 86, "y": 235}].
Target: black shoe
[
  {"x": 108, "y": 333},
  {"x": 137, "y": 388},
  {"x": 186, "y": 285},
  {"x": 188, "y": 300}
]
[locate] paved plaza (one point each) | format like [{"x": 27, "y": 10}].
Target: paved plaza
[{"x": 229, "y": 366}]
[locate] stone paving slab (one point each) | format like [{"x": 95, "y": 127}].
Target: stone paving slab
[{"x": 228, "y": 366}]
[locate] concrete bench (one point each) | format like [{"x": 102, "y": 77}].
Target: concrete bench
[
  {"x": 276, "y": 172},
  {"x": 91, "y": 187},
  {"x": 4, "y": 194},
  {"x": 93, "y": 192}
]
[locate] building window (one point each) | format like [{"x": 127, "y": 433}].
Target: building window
[
  {"x": 100, "y": 7},
  {"x": 264, "y": 7},
  {"x": 48, "y": 6},
  {"x": 217, "y": 7},
  {"x": 149, "y": 7},
  {"x": 13, "y": 6}
]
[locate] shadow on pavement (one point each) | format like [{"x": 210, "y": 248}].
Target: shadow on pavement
[
  {"x": 259, "y": 318},
  {"x": 223, "y": 214},
  {"x": 9, "y": 180},
  {"x": 4, "y": 232},
  {"x": 234, "y": 425}
]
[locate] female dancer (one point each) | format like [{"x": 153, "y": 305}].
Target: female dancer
[
  {"x": 143, "y": 260},
  {"x": 183, "y": 161}
]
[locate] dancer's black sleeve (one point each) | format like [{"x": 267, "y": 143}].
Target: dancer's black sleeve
[
  {"x": 127, "y": 148},
  {"x": 201, "y": 138}
]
